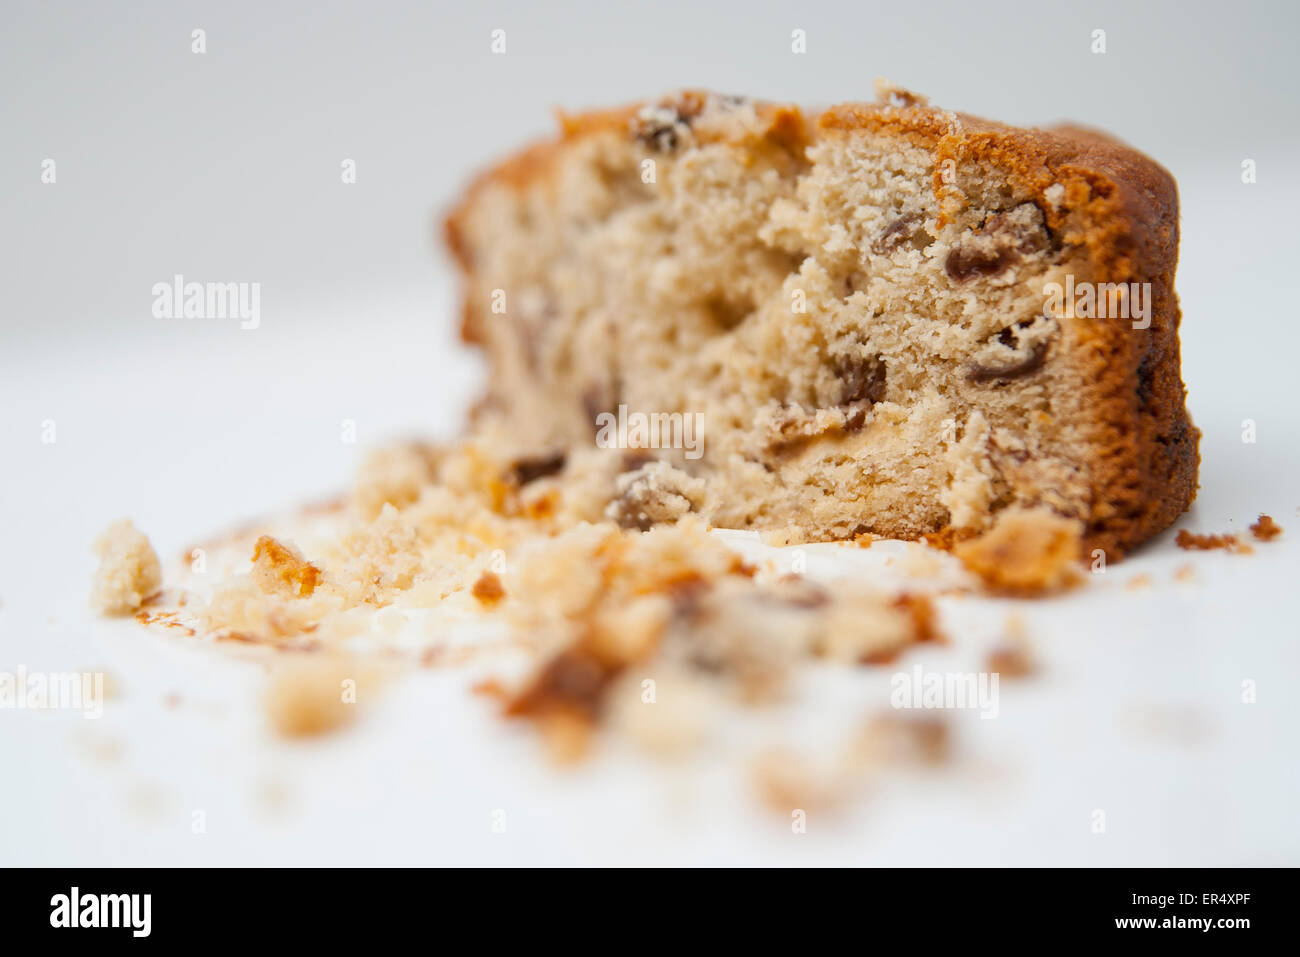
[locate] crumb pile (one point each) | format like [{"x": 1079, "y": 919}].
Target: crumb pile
[
  {"x": 582, "y": 606},
  {"x": 459, "y": 533}
]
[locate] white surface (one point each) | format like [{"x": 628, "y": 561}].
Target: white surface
[{"x": 188, "y": 427}]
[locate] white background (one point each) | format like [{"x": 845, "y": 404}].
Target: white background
[{"x": 225, "y": 167}]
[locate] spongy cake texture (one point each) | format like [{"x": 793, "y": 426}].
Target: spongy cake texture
[{"x": 855, "y": 308}]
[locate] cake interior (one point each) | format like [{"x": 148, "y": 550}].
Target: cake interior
[{"x": 858, "y": 355}]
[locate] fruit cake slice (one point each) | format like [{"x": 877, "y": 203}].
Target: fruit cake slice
[{"x": 883, "y": 318}]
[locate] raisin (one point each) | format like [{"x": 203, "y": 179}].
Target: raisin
[
  {"x": 895, "y": 234},
  {"x": 659, "y": 136},
  {"x": 1002, "y": 241},
  {"x": 531, "y": 469},
  {"x": 860, "y": 380},
  {"x": 662, "y": 128},
  {"x": 968, "y": 261},
  {"x": 574, "y": 678}
]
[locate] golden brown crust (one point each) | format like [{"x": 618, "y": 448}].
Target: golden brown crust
[{"x": 1117, "y": 204}]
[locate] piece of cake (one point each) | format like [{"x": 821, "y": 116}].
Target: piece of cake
[{"x": 880, "y": 318}]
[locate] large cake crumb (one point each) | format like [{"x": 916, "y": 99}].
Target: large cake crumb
[
  {"x": 1026, "y": 552},
  {"x": 129, "y": 572},
  {"x": 1265, "y": 529}
]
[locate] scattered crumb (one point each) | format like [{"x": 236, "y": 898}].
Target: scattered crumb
[
  {"x": 898, "y": 737},
  {"x": 1189, "y": 541},
  {"x": 1027, "y": 552},
  {"x": 1266, "y": 529},
  {"x": 98, "y": 746},
  {"x": 163, "y": 619},
  {"x": 861, "y": 628},
  {"x": 488, "y": 588},
  {"x": 1012, "y": 657},
  {"x": 492, "y": 688},
  {"x": 1185, "y": 573},
  {"x": 668, "y": 715},
  {"x": 309, "y": 696},
  {"x": 129, "y": 572},
  {"x": 788, "y": 781},
  {"x": 566, "y": 734},
  {"x": 1138, "y": 582},
  {"x": 1011, "y": 661},
  {"x": 279, "y": 569}
]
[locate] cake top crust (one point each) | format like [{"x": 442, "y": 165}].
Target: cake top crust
[{"x": 1126, "y": 203}]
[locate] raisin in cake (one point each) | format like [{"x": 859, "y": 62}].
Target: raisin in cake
[{"x": 855, "y": 303}]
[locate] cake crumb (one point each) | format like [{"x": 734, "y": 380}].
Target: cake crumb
[
  {"x": 897, "y": 738},
  {"x": 493, "y": 688},
  {"x": 1012, "y": 657},
  {"x": 312, "y": 696},
  {"x": 1138, "y": 582},
  {"x": 488, "y": 589},
  {"x": 948, "y": 537},
  {"x": 1265, "y": 530},
  {"x": 1027, "y": 552},
  {"x": 1185, "y": 573},
  {"x": 871, "y": 630},
  {"x": 279, "y": 569},
  {"x": 163, "y": 619},
  {"x": 788, "y": 782},
  {"x": 1011, "y": 661},
  {"x": 1190, "y": 541},
  {"x": 671, "y": 723},
  {"x": 566, "y": 736},
  {"x": 129, "y": 572}
]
